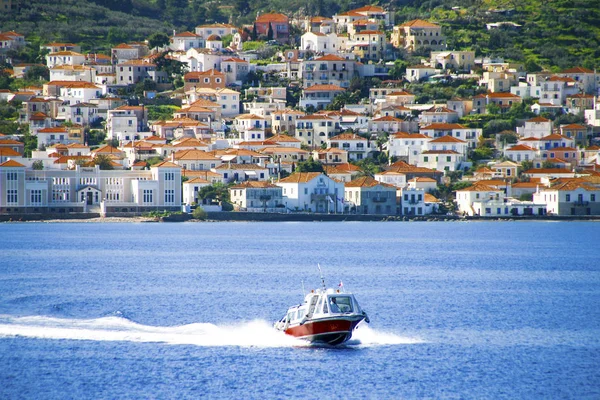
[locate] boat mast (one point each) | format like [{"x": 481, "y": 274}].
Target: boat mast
[{"x": 322, "y": 279}]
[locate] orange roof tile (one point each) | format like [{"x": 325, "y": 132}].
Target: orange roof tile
[
  {"x": 447, "y": 139},
  {"x": 348, "y": 136},
  {"x": 521, "y": 147},
  {"x": 366, "y": 181},
  {"x": 577, "y": 70},
  {"x": 324, "y": 88},
  {"x": 331, "y": 57},
  {"x": 300, "y": 177},
  {"x": 166, "y": 164},
  {"x": 419, "y": 23},
  {"x": 272, "y": 17}
]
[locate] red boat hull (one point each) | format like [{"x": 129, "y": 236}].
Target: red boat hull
[{"x": 330, "y": 331}]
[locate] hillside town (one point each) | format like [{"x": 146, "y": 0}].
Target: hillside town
[{"x": 328, "y": 121}]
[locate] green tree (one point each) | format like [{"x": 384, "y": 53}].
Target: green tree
[
  {"x": 342, "y": 99},
  {"x": 95, "y": 137},
  {"x": 309, "y": 165},
  {"x": 532, "y": 66},
  {"x": 6, "y": 79},
  {"x": 116, "y": 35},
  {"x": 526, "y": 197},
  {"x": 495, "y": 126},
  {"x": 525, "y": 166},
  {"x": 214, "y": 13},
  {"x": 155, "y": 160},
  {"x": 171, "y": 67},
  {"x": 493, "y": 109},
  {"x": 142, "y": 86},
  {"x": 216, "y": 192},
  {"x": 158, "y": 39},
  {"x": 368, "y": 167},
  {"x": 37, "y": 72},
  {"x": 242, "y": 6},
  {"x": 548, "y": 164},
  {"x": 270, "y": 32},
  {"x": 103, "y": 161},
  {"x": 482, "y": 153},
  {"x": 30, "y": 141},
  {"x": 399, "y": 68},
  {"x": 226, "y": 40},
  {"x": 38, "y": 165}
]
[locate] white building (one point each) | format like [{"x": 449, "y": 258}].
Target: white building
[
  {"x": 64, "y": 58},
  {"x": 250, "y": 127},
  {"x": 537, "y": 127},
  {"x": 253, "y": 196},
  {"x": 407, "y": 146},
  {"x": 184, "y": 41},
  {"x": 315, "y": 129},
  {"x": 358, "y": 147},
  {"x": 312, "y": 191},
  {"x": 441, "y": 160},
  {"x": 571, "y": 197},
  {"x": 89, "y": 189}
]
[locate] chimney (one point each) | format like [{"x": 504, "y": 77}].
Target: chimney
[{"x": 172, "y": 156}]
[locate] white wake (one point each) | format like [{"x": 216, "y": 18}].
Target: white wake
[{"x": 257, "y": 333}]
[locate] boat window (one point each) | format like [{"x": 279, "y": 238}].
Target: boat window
[
  {"x": 290, "y": 316},
  {"x": 311, "y": 310},
  {"x": 300, "y": 314},
  {"x": 342, "y": 304}
]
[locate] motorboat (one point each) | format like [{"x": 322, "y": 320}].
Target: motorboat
[{"x": 327, "y": 316}]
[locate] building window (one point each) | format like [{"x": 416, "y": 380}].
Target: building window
[
  {"x": 568, "y": 197},
  {"x": 169, "y": 196},
  {"x": 12, "y": 196},
  {"x": 36, "y": 197},
  {"x": 11, "y": 176},
  {"x": 147, "y": 196}
]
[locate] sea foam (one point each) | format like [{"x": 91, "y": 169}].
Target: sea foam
[{"x": 256, "y": 333}]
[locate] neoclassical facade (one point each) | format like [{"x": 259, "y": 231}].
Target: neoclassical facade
[{"x": 89, "y": 189}]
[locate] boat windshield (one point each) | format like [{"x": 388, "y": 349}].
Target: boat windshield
[{"x": 340, "y": 304}]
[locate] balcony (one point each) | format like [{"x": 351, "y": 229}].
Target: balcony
[
  {"x": 320, "y": 197},
  {"x": 379, "y": 199}
]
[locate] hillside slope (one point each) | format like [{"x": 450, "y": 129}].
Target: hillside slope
[{"x": 553, "y": 33}]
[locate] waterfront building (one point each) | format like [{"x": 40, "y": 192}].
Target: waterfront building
[
  {"x": 312, "y": 191},
  {"x": 570, "y": 197},
  {"x": 485, "y": 201},
  {"x": 89, "y": 189},
  {"x": 254, "y": 196},
  {"x": 366, "y": 195}
]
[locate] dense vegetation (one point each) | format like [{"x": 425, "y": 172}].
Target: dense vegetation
[{"x": 558, "y": 33}]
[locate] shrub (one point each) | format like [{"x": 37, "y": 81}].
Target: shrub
[{"x": 199, "y": 213}]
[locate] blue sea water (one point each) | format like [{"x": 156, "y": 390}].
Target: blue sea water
[{"x": 478, "y": 310}]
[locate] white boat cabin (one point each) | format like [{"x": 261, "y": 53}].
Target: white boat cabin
[{"x": 322, "y": 304}]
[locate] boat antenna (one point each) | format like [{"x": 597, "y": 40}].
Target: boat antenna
[{"x": 322, "y": 279}]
